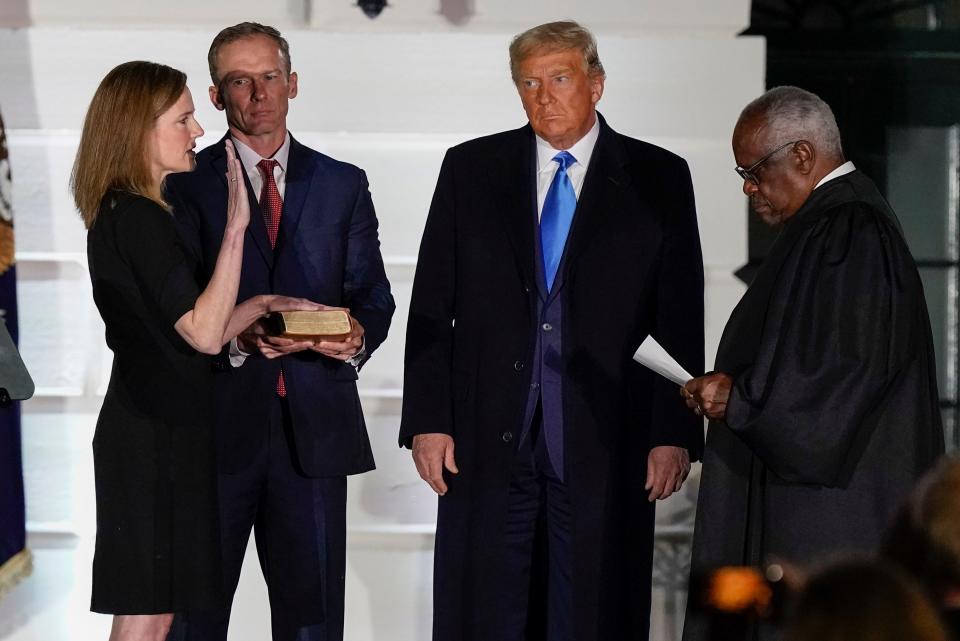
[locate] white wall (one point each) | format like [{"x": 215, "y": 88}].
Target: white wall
[{"x": 389, "y": 95}]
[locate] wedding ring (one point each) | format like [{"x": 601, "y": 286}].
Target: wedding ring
[{"x": 233, "y": 180}]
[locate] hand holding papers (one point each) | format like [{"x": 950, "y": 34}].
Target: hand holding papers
[{"x": 652, "y": 356}]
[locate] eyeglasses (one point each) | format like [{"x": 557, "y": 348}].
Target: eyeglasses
[{"x": 747, "y": 174}]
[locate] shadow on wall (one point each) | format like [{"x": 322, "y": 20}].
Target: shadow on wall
[
  {"x": 457, "y": 12},
  {"x": 15, "y": 13},
  {"x": 17, "y": 92},
  {"x": 405, "y": 590}
]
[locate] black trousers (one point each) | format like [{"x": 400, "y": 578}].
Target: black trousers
[
  {"x": 300, "y": 529},
  {"x": 537, "y": 592}
]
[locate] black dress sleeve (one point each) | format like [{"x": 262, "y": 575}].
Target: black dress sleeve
[
  {"x": 839, "y": 328},
  {"x": 148, "y": 241}
]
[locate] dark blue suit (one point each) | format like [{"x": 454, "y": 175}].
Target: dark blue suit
[
  {"x": 537, "y": 533},
  {"x": 545, "y": 397},
  {"x": 283, "y": 463}
]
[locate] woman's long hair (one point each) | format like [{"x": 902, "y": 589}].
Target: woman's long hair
[{"x": 114, "y": 145}]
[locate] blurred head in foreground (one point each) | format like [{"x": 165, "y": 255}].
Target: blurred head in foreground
[
  {"x": 864, "y": 601},
  {"x": 925, "y": 537}
]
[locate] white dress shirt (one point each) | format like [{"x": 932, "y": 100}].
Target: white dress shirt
[
  {"x": 249, "y": 159},
  {"x": 842, "y": 170},
  {"x": 547, "y": 168}
]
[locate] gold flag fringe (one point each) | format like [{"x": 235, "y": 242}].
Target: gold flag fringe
[
  {"x": 6, "y": 247},
  {"x": 17, "y": 568}
]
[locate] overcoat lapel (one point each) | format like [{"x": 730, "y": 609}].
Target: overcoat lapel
[
  {"x": 512, "y": 180},
  {"x": 599, "y": 199},
  {"x": 257, "y": 228}
]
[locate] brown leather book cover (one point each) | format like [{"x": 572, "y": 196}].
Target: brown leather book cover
[{"x": 322, "y": 325}]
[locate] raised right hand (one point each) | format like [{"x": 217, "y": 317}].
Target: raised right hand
[
  {"x": 238, "y": 205},
  {"x": 431, "y": 454}
]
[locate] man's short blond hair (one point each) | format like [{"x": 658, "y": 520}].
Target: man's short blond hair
[
  {"x": 552, "y": 37},
  {"x": 245, "y": 30}
]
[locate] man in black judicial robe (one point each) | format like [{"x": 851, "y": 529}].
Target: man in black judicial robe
[{"x": 823, "y": 409}]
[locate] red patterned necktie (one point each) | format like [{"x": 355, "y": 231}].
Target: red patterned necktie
[{"x": 271, "y": 204}]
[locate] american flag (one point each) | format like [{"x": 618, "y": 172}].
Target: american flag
[{"x": 15, "y": 560}]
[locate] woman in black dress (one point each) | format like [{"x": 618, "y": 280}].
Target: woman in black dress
[{"x": 157, "y": 549}]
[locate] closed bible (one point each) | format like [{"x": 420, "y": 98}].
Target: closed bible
[{"x": 322, "y": 325}]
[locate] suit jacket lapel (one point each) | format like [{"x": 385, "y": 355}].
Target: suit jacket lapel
[
  {"x": 602, "y": 184},
  {"x": 257, "y": 228},
  {"x": 512, "y": 179},
  {"x": 300, "y": 173}
]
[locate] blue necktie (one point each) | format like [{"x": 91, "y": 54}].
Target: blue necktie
[{"x": 558, "y": 208}]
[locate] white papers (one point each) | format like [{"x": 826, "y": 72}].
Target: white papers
[{"x": 651, "y": 355}]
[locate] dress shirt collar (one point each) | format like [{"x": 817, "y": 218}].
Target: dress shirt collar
[
  {"x": 842, "y": 170},
  {"x": 581, "y": 150},
  {"x": 249, "y": 158}
]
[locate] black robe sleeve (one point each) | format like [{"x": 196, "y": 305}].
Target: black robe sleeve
[{"x": 836, "y": 333}]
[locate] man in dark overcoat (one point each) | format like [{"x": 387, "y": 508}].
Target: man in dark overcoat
[
  {"x": 824, "y": 408},
  {"x": 550, "y": 252}
]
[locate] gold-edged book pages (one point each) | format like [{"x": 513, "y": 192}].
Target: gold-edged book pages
[{"x": 321, "y": 325}]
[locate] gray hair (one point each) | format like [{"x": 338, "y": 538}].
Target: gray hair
[
  {"x": 552, "y": 37},
  {"x": 792, "y": 113}
]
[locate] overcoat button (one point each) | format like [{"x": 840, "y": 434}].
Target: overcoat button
[
  {"x": 518, "y": 365},
  {"x": 507, "y": 437},
  {"x": 547, "y": 327}
]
